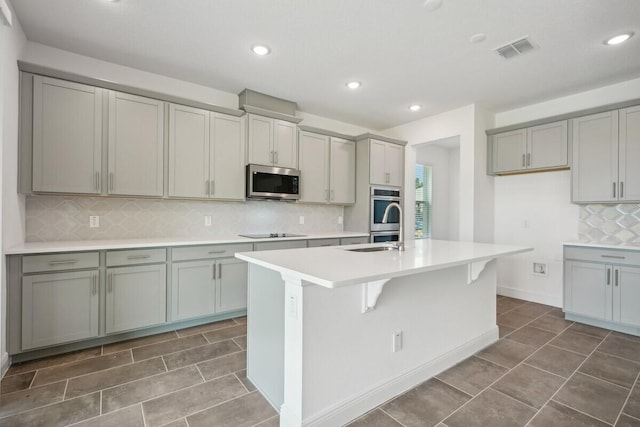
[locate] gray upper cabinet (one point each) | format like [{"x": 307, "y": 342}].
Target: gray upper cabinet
[
  {"x": 606, "y": 157},
  {"x": 272, "y": 142},
  {"x": 67, "y": 137},
  {"x": 540, "y": 147},
  {"x": 342, "y": 171},
  {"x": 386, "y": 163},
  {"x": 136, "y": 145},
  {"x": 206, "y": 154}
]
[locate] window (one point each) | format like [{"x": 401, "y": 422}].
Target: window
[{"x": 423, "y": 201}]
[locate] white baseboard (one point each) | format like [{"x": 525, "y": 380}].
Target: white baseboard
[
  {"x": 351, "y": 408},
  {"x": 4, "y": 364},
  {"x": 553, "y": 300}
]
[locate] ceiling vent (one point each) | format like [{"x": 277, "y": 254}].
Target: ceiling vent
[{"x": 516, "y": 48}]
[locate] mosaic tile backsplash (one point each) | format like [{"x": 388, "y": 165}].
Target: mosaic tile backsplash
[
  {"x": 610, "y": 224},
  {"x": 53, "y": 218}
]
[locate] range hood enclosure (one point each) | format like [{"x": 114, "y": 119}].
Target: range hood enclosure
[{"x": 259, "y": 100}]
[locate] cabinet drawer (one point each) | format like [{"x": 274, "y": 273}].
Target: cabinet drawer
[
  {"x": 58, "y": 262},
  {"x": 315, "y": 243},
  {"x": 609, "y": 256},
  {"x": 137, "y": 256},
  {"x": 210, "y": 251}
]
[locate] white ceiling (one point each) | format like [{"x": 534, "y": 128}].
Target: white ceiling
[{"x": 400, "y": 51}]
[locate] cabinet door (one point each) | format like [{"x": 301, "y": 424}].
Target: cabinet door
[
  {"x": 188, "y": 152},
  {"x": 589, "y": 289},
  {"x": 509, "y": 151},
  {"x": 227, "y": 157},
  {"x": 626, "y": 295},
  {"x": 260, "y": 144},
  {"x": 394, "y": 161},
  {"x": 547, "y": 145},
  {"x": 594, "y": 173},
  {"x": 343, "y": 171},
  {"x": 314, "y": 167},
  {"x": 629, "y": 157},
  {"x": 285, "y": 144},
  {"x": 136, "y": 297},
  {"x": 231, "y": 287},
  {"x": 136, "y": 145},
  {"x": 67, "y": 136},
  {"x": 193, "y": 289},
  {"x": 377, "y": 170},
  {"x": 59, "y": 308}
]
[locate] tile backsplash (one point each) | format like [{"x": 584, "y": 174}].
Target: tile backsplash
[
  {"x": 53, "y": 218},
  {"x": 610, "y": 224}
]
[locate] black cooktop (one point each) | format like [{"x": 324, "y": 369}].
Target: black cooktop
[{"x": 271, "y": 235}]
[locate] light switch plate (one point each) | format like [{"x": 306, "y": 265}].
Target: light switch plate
[{"x": 94, "y": 221}]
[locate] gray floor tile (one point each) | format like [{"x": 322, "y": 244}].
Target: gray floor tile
[
  {"x": 533, "y": 309},
  {"x": 128, "y": 417},
  {"x": 148, "y": 388},
  {"x": 223, "y": 365},
  {"x": 32, "y": 365},
  {"x": 514, "y": 320},
  {"x": 529, "y": 385},
  {"x": 552, "y": 323},
  {"x": 472, "y": 375},
  {"x": 592, "y": 396},
  {"x": 138, "y": 342},
  {"x": 556, "y": 360},
  {"x": 178, "y": 423},
  {"x": 200, "y": 354},
  {"x": 25, "y": 400},
  {"x": 506, "y": 353},
  {"x": 589, "y": 330},
  {"x": 82, "y": 367},
  {"x": 244, "y": 411},
  {"x": 621, "y": 347},
  {"x": 532, "y": 336},
  {"x": 226, "y": 333},
  {"x": 241, "y": 320},
  {"x": 112, "y": 377},
  {"x": 58, "y": 414},
  {"x": 376, "y": 418},
  {"x": 242, "y": 377},
  {"x": 241, "y": 341},
  {"x": 626, "y": 336},
  {"x": 627, "y": 421},
  {"x": 17, "y": 382},
  {"x": 504, "y": 330},
  {"x": 574, "y": 341},
  {"x": 557, "y": 311},
  {"x": 611, "y": 368},
  {"x": 555, "y": 414},
  {"x": 167, "y": 347},
  {"x": 170, "y": 407},
  {"x": 426, "y": 404},
  {"x": 633, "y": 404},
  {"x": 207, "y": 328},
  {"x": 491, "y": 408},
  {"x": 271, "y": 422}
]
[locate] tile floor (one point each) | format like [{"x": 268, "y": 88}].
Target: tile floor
[{"x": 544, "y": 371}]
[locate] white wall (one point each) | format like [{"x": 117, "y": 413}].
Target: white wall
[
  {"x": 12, "y": 40},
  {"x": 454, "y": 189},
  {"x": 535, "y": 209}
]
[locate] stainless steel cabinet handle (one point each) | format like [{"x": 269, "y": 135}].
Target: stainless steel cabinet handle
[
  {"x": 528, "y": 159},
  {"x": 614, "y": 190},
  {"x": 110, "y": 181},
  {"x": 613, "y": 256},
  {"x": 63, "y": 261},
  {"x": 221, "y": 251},
  {"x": 220, "y": 271},
  {"x": 524, "y": 162},
  {"x": 138, "y": 256},
  {"x": 608, "y": 276},
  {"x": 616, "y": 276},
  {"x": 621, "y": 189},
  {"x": 212, "y": 188},
  {"x": 94, "y": 286},
  {"x": 110, "y": 283},
  {"x": 214, "y": 272}
]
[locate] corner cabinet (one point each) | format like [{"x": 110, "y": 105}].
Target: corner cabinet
[
  {"x": 206, "y": 154},
  {"x": 271, "y": 142},
  {"x": 606, "y": 157},
  {"x": 602, "y": 287},
  {"x": 386, "y": 163},
  {"x": 542, "y": 147}
]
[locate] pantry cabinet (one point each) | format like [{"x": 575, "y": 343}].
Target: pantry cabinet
[
  {"x": 606, "y": 157},
  {"x": 386, "y": 163},
  {"x": 206, "y": 154},
  {"x": 272, "y": 142}
]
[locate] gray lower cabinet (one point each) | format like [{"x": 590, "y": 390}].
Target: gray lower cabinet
[
  {"x": 59, "y": 308},
  {"x": 135, "y": 297},
  {"x": 231, "y": 287},
  {"x": 603, "y": 285},
  {"x": 193, "y": 289}
]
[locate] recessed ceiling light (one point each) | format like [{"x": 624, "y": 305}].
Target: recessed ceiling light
[
  {"x": 415, "y": 107},
  {"x": 432, "y": 5},
  {"x": 618, "y": 39},
  {"x": 261, "y": 49},
  {"x": 354, "y": 85},
  {"x": 477, "y": 38}
]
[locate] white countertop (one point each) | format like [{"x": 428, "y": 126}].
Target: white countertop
[
  {"x": 333, "y": 266},
  {"x": 97, "y": 245},
  {"x": 623, "y": 247}
]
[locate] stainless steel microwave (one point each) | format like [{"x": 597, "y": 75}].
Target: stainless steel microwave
[{"x": 269, "y": 182}]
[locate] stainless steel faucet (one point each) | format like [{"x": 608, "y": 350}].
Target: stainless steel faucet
[{"x": 399, "y": 245}]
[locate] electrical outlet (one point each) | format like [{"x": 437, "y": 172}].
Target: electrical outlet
[
  {"x": 94, "y": 221},
  {"x": 207, "y": 220},
  {"x": 340, "y": 220},
  {"x": 301, "y": 219},
  {"x": 540, "y": 269},
  {"x": 397, "y": 341}
]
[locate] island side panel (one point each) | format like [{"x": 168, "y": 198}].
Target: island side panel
[
  {"x": 265, "y": 333},
  {"x": 348, "y": 363}
]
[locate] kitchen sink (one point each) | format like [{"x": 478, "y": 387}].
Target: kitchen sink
[{"x": 373, "y": 249}]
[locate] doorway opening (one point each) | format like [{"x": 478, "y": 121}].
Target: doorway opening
[{"x": 424, "y": 197}]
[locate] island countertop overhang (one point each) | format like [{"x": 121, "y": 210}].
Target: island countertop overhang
[{"x": 336, "y": 266}]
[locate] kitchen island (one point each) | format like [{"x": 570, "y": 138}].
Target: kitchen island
[{"x": 334, "y": 332}]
